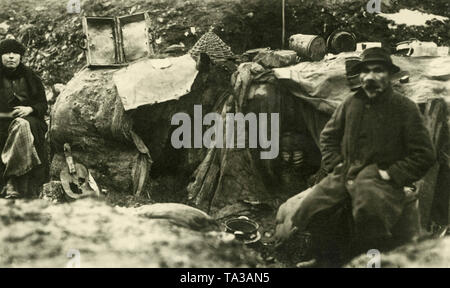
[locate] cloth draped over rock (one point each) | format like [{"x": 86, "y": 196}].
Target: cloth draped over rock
[
  {"x": 229, "y": 178},
  {"x": 323, "y": 84},
  {"x": 155, "y": 80},
  {"x": 89, "y": 115}
]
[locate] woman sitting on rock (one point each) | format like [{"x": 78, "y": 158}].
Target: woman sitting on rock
[{"x": 22, "y": 127}]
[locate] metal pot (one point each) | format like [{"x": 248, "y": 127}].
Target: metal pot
[{"x": 243, "y": 229}]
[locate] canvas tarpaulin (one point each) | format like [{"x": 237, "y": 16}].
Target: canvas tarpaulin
[
  {"x": 155, "y": 80},
  {"x": 324, "y": 85}
]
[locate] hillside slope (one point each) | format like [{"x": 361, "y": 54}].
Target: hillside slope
[{"x": 52, "y": 35}]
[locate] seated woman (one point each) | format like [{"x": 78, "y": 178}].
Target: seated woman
[{"x": 22, "y": 127}]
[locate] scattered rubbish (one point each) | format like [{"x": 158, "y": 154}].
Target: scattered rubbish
[
  {"x": 253, "y": 203},
  {"x": 250, "y": 54},
  {"x": 416, "y": 48},
  {"x": 311, "y": 47},
  {"x": 365, "y": 45},
  {"x": 404, "y": 79},
  {"x": 222, "y": 236},
  {"x": 175, "y": 48},
  {"x": 270, "y": 259}
]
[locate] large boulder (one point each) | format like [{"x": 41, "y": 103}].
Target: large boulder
[{"x": 89, "y": 115}]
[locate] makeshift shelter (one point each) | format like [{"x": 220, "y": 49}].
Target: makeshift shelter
[
  {"x": 306, "y": 95},
  {"x": 321, "y": 86},
  {"x": 115, "y": 119}
]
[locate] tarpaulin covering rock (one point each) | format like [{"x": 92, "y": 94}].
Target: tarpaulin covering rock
[
  {"x": 155, "y": 80},
  {"x": 89, "y": 116}
]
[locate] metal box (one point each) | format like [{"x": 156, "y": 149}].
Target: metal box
[
  {"x": 116, "y": 41},
  {"x": 135, "y": 36}
]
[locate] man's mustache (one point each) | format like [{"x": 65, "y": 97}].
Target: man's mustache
[{"x": 371, "y": 85}]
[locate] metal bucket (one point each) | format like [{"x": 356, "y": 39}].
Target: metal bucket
[
  {"x": 341, "y": 41},
  {"x": 311, "y": 47}
]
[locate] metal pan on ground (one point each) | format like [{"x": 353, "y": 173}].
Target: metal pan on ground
[{"x": 244, "y": 229}]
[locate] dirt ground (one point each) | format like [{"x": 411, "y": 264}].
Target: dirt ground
[{"x": 39, "y": 234}]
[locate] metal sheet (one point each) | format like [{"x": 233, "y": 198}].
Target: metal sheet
[
  {"x": 135, "y": 36},
  {"x": 101, "y": 41}
]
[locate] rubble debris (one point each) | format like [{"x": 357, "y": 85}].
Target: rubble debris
[{"x": 53, "y": 192}]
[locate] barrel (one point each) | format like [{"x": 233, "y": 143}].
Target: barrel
[
  {"x": 341, "y": 41},
  {"x": 311, "y": 47}
]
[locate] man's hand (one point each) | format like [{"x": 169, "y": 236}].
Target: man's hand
[
  {"x": 384, "y": 175},
  {"x": 22, "y": 111}
]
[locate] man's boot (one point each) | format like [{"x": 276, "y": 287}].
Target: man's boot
[{"x": 11, "y": 189}]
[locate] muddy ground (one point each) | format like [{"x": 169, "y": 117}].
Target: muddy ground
[{"x": 39, "y": 234}]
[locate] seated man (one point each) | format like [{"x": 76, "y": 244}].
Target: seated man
[
  {"x": 374, "y": 144},
  {"x": 22, "y": 127}
]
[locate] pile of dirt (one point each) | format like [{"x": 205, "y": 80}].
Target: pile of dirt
[
  {"x": 38, "y": 234},
  {"x": 433, "y": 253}
]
